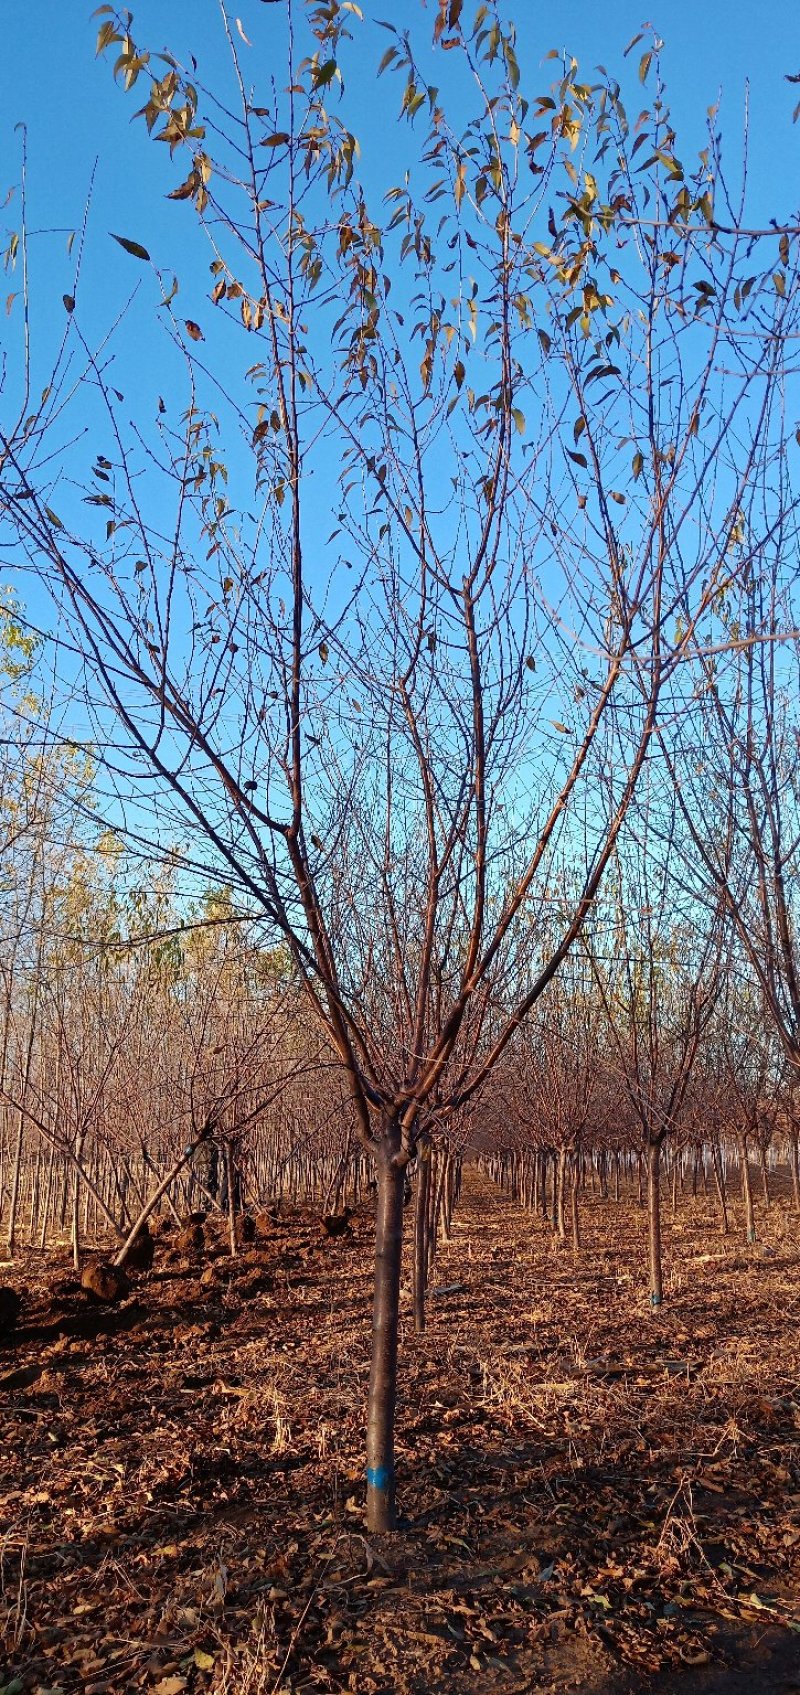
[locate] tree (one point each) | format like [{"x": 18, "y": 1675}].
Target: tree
[
  {"x": 736, "y": 766},
  {"x": 659, "y": 974},
  {"x": 391, "y": 730}
]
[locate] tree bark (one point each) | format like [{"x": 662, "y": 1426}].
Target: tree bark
[
  {"x": 747, "y": 1191},
  {"x": 48, "y": 1195},
  {"x": 560, "y": 1177},
  {"x": 794, "y": 1142},
  {"x": 421, "y": 1237},
  {"x": 762, "y": 1156},
  {"x": 381, "y": 1508},
  {"x": 719, "y": 1179},
  {"x": 11, "y": 1239},
  {"x": 231, "y": 1198},
  {"x": 576, "y": 1223},
  {"x": 76, "y": 1207},
  {"x": 654, "y": 1222}
]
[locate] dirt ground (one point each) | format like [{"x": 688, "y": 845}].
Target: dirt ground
[{"x": 595, "y": 1498}]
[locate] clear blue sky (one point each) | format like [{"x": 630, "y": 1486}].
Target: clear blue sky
[
  {"x": 51, "y": 81},
  {"x": 49, "y": 78}
]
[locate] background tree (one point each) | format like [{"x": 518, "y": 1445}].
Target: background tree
[
  {"x": 734, "y": 754},
  {"x": 659, "y": 975}
]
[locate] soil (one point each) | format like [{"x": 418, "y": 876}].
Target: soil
[{"x": 595, "y": 1497}]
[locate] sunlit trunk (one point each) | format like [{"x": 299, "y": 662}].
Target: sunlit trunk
[
  {"x": 48, "y": 1197},
  {"x": 381, "y": 1512},
  {"x": 11, "y": 1241}
]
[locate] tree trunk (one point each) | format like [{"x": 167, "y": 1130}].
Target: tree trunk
[
  {"x": 421, "y": 1237},
  {"x": 603, "y": 1175},
  {"x": 762, "y": 1154},
  {"x": 445, "y": 1208},
  {"x": 747, "y": 1192},
  {"x": 545, "y": 1188},
  {"x": 719, "y": 1179},
  {"x": 381, "y": 1513},
  {"x": 11, "y": 1240},
  {"x": 48, "y": 1195},
  {"x": 654, "y": 1221},
  {"x": 229, "y": 1172},
  {"x": 794, "y": 1141},
  {"x": 560, "y": 1178},
  {"x": 76, "y": 1208},
  {"x": 576, "y": 1223}
]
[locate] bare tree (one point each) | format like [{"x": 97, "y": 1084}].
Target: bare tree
[
  {"x": 735, "y": 756},
  {"x": 659, "y": 969},
  {"x": 379, "y": 614}
]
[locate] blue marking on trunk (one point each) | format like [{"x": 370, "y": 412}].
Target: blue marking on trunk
[{"x": 379, "y": 1477}]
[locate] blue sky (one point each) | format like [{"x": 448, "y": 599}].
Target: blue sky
[{"x": 50, "y": 79}]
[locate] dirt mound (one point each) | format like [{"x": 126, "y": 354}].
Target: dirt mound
[
  {"x": 105, "y": 1282},
  {"x": 190, "y": 1241},
  {"x": 10, "y": 1307},
  {"x": 337, "y": 1223},
  {"x": 141, "y": 1251}
]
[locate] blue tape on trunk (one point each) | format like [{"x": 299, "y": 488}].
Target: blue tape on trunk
[{"x": 379, "y": 1477}]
